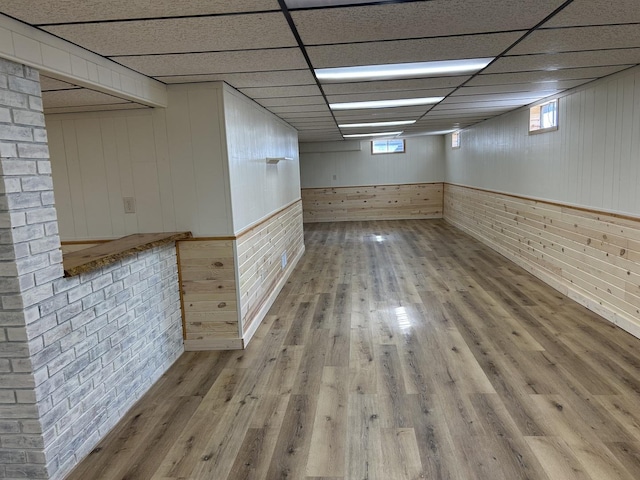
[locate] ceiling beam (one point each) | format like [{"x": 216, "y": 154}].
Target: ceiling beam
[{"x": 66, "y": 61}]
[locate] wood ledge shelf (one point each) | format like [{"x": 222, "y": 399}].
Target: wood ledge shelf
[{"x": 88, "y": 259}]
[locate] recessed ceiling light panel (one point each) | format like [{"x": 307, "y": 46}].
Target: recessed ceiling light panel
[
  {"x": 401, "y": 70},
  {"x": 402, "y": 102},
  {"x": 378, "y": 124}
]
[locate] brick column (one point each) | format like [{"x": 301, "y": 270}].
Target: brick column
[{"x": 30, "y": 259}]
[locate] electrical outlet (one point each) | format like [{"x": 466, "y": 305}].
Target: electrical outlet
[
  {"x": 284, "y": 260},
  {"x": 335, "y": 177},
  {"x": 129, "y": 204}
]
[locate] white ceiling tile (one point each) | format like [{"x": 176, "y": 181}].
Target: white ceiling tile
[
  {"x": 596, "y": 12},
  {"x": 519, "y": 87},
  {"x": 177, "y": 35},
  {"x": 418, "y": 19},
  {"x": 77, "y": 97},
  {"x": 578, "y": 39},
  {"x": 304, "y": 122},
  {"x": 220, "y": 62},
  {"x": 302, "y": 137},
  {"x": 316, "y": 110},
  {"x": 449, "y": 116},
  {"x": 247, "y": 80},
  {"x": 321, "y": 131},
  {"x": 403, "y": 51},
  {"x": 555, "y": 61},
  {"x": 489, "y": 97},
  {"x": 485, "y": 105},
  {"x": 48, "y": 83},
  {"x": 60, "y": 11},
  {"x": 307, "y": 116},
  {"x": 431, "y": 125},
  {"x": 284, "y": 101},
  {"x": 366, "y": 96},
  {"x": 293, "y": 4},
  {"x": 288, "y": 91},
  {"x": 390, "y": 32},
  {"x": 472, "y": 109},
  {"x": 544, "y": 76},
  {"x": 308, "y": 127}
]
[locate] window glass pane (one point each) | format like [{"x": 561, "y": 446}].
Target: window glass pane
[
  {"x": 544, "y": 117},
  {"x": 455, "y": 140},
  {"x": 387, "y": 146},
  {"x": 396, "y": 146},
  {"x": 379, "y": 146}
]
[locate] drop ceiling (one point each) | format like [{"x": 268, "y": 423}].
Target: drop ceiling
[{"x": 268, "y": 49}]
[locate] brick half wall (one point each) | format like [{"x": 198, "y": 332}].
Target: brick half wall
[{"x": 105, "y": 337}]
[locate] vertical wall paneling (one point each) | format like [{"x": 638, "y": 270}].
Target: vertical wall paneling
[
  {"x": 592, "y": 257},
  {"x": 112, "y": 175},
  {"x": 74, "y": 178},
  {"x": 253, "y": 134},
  {"x": 60, "y": 174},
  {"x": 326, "y": 164},
  {"x": 590, "y": 161},
  {"x": 164, "y": 170},
  {"x": 171, "y": 161},
  {"x": 125, "y": 172}
]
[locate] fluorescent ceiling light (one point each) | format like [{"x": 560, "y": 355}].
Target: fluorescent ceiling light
[
  {"x": 401, "y": 70},
  {"x": 377, "y": 124},
  {"x": 403, "y": 102},
  {"x": 382, "y": 134}
]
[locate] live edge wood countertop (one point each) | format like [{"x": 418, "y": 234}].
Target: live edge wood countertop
[{"x": 89, "y": 259}]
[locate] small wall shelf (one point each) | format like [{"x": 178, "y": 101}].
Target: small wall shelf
[{"x": 274, "y": 160}]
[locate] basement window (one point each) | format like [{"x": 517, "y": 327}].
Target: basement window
[
  {"x": 455, "y": 140},
  {"x": 544, "y": 117},
  {"x": 395, "y": 145}
]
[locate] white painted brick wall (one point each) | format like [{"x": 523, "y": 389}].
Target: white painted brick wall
[
  {"x": 25, "y": 272},
  {"x": 75, "y": 353},
  {"x": 108, "y": 344}
]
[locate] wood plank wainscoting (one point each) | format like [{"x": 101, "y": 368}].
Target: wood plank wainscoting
[
  {"x": 208, "y": 289},
  {"x": 229, "y": 283},
  {"x": 374, "y": 202},
  {"x": 592, "y": 257},
  {"x": 262, "y": 268}
]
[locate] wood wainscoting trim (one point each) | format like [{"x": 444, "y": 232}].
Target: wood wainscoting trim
[
  {"x": 208, "y": 294},
  {"x": 259, "y": 255},
  {"x": 373, "y": 202},
  {"x": 622, "y": 216},
  {"x": 227, "y": 285},
  {"x": 591, "y": 256},
  {"x": 247, "y": 229}
]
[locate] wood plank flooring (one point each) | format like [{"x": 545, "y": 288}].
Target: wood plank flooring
[{"x": 397, "y": 350}]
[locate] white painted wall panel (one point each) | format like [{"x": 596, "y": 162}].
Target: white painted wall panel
[
  {"x": 170, "y": 160},
  {"x": 423, "y": 162},
  {"x": 592, "y": 160},
  {"x": 253, "y": 134},
  {"x": 197, "y": 159}
]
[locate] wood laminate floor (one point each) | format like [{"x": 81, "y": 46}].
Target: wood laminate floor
[{"x": 397, "y": 350}]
